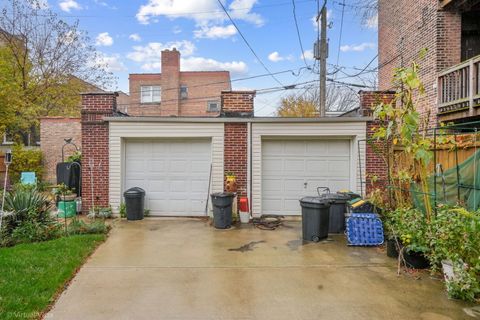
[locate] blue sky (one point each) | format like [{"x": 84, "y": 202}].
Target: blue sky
[{"x": 131, "y": 34}]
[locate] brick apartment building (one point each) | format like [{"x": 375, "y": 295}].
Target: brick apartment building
[
  {"x": 176, "y": 93},
  {"x": 450, "y": 31}
]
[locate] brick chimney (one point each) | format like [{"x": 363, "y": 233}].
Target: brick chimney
[
  {"x": 170, "y": 104},
  {"x": 237, "y": 103}
]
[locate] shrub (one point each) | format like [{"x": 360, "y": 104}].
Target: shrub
[
  {"x": 410, "y": 226},
  {"x": 81, "y": 227},
  {"x": 27, "y": 209},
  {"x": 25, "y": 160},
  {"x": 31, "y": 231}
]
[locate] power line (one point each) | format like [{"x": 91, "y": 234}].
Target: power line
[
  {"x": 341, "y": 31},
  {"x": 298, "y": 33},
  {"x": 176, "y": 14},
  {"x": 292, "y": 71},
  {"x": 362, "y": 70},
  {"x": 248, "y": 44}
]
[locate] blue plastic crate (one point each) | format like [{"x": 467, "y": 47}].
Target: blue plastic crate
[{"x": 364, "y": 229}]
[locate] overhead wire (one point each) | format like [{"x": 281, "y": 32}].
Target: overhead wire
[
  {"x": 247, "y": 43},
  {"x": 341, "y": 31},
  {"x": 298, "y": 34}
]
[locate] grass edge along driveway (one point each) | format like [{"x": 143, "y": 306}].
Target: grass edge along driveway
[{"x": 32, "y": 275}]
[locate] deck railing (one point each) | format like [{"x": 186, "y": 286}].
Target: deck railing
[{"x": 459, "y": 87}]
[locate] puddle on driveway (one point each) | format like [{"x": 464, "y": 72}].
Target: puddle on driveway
[
  {"x": 247, "y": 247},
  {"x": 295, "y": 244}
]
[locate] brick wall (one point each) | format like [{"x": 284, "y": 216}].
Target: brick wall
[
  {"x": 236, "y": 136},
  {"x": 53, "y": 131},
  {"x": 95, "y": 162},
  {"x": 235, "y": 154},
  {"x": 203, "y": 86},
  {"x": 375, "y": 166},
  {"x": 237, "y": 103},
  {"x": 405, "y": 28}
]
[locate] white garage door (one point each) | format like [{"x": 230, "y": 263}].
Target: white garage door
[
  {"x": 174, "y": 174},
  {"x": 295, "y": 168}
]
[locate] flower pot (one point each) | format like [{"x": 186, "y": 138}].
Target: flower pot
[
  {"x": 68, "y": 197},
  {"x": 392, "y": 250},
  {"x": 244, "y": 217},
  {"x": 415, "y": 260}
]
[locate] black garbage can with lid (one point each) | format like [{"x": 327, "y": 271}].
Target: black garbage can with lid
[
  {"x": 315, "y": 218},
  {"x": 134, "y": 203},
  {"x": 222, "y": 209},
  {"x": 337, "y": 210}
]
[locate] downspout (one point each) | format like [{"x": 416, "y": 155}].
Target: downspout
[{"x": 250, "y": 171}]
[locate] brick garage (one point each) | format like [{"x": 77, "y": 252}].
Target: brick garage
[
  {"x": 170, "y": 155},
  {"x": 53, "y": 132}
]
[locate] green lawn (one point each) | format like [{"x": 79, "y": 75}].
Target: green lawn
[{"x": 32, "y": 274}]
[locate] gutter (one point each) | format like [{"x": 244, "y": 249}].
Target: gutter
[{"x": 238, "y": 119}]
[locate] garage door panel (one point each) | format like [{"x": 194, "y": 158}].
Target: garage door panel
[
  {"x": 178, "y": 166},
  {"x": 174, "y": 174},
  {"x": 274, "y": 148},
  {"x": 317, "y": 148},
  {"x": 198, "y": 166},
  {"x": 339, "y": 168},
  {"x": 272, "y": 165},
  {"x": 317, "y": 167},
  {"x": 288, "y": 165},
  {"x": 157, "y": 166},
  {"x": 294, "y": 147},
  {"x": 294, "y": 165},
  {"x": 293, "y": 185},
  {"x": 339, "y": 148}
]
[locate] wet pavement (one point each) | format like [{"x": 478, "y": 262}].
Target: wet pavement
[{"x": 185, "y": 269}]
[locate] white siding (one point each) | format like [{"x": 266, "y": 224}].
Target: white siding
[
  {"x": 121, "y": 131},
  {"x": 354, "y": 131}
]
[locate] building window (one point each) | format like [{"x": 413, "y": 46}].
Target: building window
[
  {"x": 150, "y": 94},
  {"x": 213, "y": 106},
  {"x": 183, "y": 92}
]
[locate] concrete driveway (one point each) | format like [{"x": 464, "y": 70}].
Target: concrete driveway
[{"x": 185, "y": 269}]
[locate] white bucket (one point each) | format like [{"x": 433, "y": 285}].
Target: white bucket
[{"x": 244, "y": 217}]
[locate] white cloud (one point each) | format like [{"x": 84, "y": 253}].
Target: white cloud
[
  {"x": 275, "y": 57},
  {"x": 308, "y": 54},
  {"x": 241, "y": 9},
  {"x": 215, "y": 32},
  {"x": 111, "y": 63},
  {"x": 372, "y": 22},
  {"x": 135, "y": 37},
  {"x": 176, "y": 30},
  {"x": 203, "y": 12},
  {"x": 357, "y": 47},
  {"x": 150, "y": 55},
  {"x": 104, "y": 39},
  {"x": 68, "y": 5},
  {"x": 204, "y": 64}
]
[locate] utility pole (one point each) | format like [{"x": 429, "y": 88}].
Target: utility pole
[{"x": 321, "y": 54}]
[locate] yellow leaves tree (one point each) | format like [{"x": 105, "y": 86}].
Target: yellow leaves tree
[{"x": 293, "y": 106}]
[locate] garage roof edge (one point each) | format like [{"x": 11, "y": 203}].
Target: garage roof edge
[{"x": 237, "y": 120}]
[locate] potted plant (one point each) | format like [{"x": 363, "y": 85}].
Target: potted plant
[
  {"x": 230, "y": 182},
  {"x": 64, "y": 193},
  {"x": 409, "y": 225}
]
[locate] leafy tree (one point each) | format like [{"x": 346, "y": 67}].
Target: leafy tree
[
  {"x": 49, "y": 62},
  {"x": 306, "y": 104}
]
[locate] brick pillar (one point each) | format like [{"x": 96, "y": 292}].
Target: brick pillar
[
  {"x": 170, "y": 104},
  {"x": 237, "y": 104},
  {"x": 95, "y": 162},
  {"x": 375, "y": 167}
]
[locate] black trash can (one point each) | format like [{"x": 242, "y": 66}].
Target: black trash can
[
  {"x": 337, "y": 211},
  {"x": 222, "y": 209},
  {"x": 315, "y": 218},
  {"x": 134, "y": 203}
]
